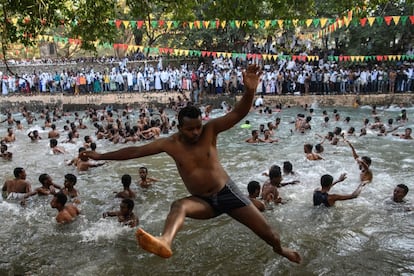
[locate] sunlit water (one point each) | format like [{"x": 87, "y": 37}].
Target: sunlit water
[{"x": 364, "y": 236}]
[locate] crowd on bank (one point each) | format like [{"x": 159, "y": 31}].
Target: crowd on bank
[{"x": 218, "y": 76}]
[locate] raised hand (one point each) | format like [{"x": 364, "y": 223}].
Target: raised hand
[{"x": 251, "y": 77}]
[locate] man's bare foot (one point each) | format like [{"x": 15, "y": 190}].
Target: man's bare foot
[{"x": 152, "y": 244}]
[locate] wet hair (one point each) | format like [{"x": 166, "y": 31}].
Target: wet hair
[
  {"x": 274, "y": 172},
  {"x": 129, "y": 203},
  {"x": 309, "y": 147},
  {"x": 17, "y": 171},
  {"x": 53, "y": 142},
  {"x": 126, "y": 180},
  {"x": 4, "y": 146},
  {"x": 404, "y": 187},
  {"x": 366, "y": 159},
  {"x": 326, "y": 180},
  {"x": 71, "y": 178},
  {"x": 43, "y": 177},
  {"x": 61, "y": 198},
  {"x": 81, "y": 149},
  {"x": 253, "y": 186},
  {"x": 86, "y": 138},
  {"x": 319, "y": 148},
  {"x": 326, "y": 119},
  {"x": 191, "y": 112},
  {"x": 93, "y": 146},
  {"x": 287, "y": 167}
]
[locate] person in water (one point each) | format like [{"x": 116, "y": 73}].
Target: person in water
[
  {"x": 364, "y": 163},
  {"x": 125, "y": 214},
  {"x": 322, "y": 196},
  {"x": 212, "y": 191},
  {"x": 253, "y": 188},
  {"x": 126, "y": 180},
  {"x": 66, "y": 212}
]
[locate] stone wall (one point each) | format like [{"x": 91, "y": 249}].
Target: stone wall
[{"x": 341, "y": 100}]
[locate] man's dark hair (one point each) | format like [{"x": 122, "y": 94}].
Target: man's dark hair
[
  {"x": 191, "y": 112},
  {"x": 326, "y": 180},
  {"x": 61, "y": 198},
  {"x": 126, "y": 180},
  {"x": 71, "y": 178},
  {"x": 43, "y": 177},
  {"x": 404, "y": 187},
  {"x": 252, "y": 187},
  {"x": 17, "y": 171},
  {"x": 274, "y": 172}
]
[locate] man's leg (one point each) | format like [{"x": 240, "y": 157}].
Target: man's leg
[
  {"x": 252, "y": 218},
  {"x": 192, "y": 207}
]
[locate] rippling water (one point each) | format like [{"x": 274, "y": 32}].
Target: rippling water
[{"x": 363, "y": 236}]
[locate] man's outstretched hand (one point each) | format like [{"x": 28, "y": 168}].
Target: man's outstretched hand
[{"x": 251, "y": 77}]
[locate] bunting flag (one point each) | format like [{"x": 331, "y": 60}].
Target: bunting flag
[{"x": 198, "y": 53}]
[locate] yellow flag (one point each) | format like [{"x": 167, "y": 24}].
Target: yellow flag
[
  {"x": 191, "y": 24},
  {"x": 237, "y": 23},
  {"x": 295, "y": 22},
  {"x": 396, "y": 19},
  {"x": 371, "y": 20},
  {"x": 323, "y": 22},
  {"x": 125, "y": 23},
  {"x": 308, "y": 22},
  {"x": 280, "y": 22},
  {"x": 169, "y": 24},
  {"x": 267, "y": 23},
  {"x": 223, "y": 24}
]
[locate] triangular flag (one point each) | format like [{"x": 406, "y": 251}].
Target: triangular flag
[
  {"x": 371, "y": 20},
  {"x": 161, "y": 23},
  {"x": 267, "y": 23},
  {"x": 380, "y": 20},
  {"x": 118, "y": 23},
  {"x": 205, "y": 24},
  {"x": 176, "y": 23},
  {"x": 412, "y": 19},
  {"x": 363, "y": 21},
  {"x": 223, "y": 24},
  {"x": 125, "y": 23},
  {"x": 190, "y": 24},
  {"x": 169, "y": 24},
  {"x": 280, "y": 23},
  {"x": 388, "y": 19},
  {"x": 316, "y": 22},
  {"x": 213, "y": 24},
  {"x": 396, "y": 19},
  {"x": 133, "y": 24},
  {"x": 154, "y": 23},
  {"x": 237, "y": 23},
  {"x": 398, "y": 57},
  {"x": 308, "y": 22},
  {"x": 232, "y": 24},
  {"x": 139, "y": 24},
  {"x": 404, "y": 19},
  {"x": 295, "y": 22},
  {"x": 197, "y": 24},
  {"x": 323, "y": 22}
]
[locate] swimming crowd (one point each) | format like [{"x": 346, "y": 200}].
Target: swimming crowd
[
  {"x": 115, "y": 126},
  {"x": 221, "y": 76},
  {"x": 152, "y": 123}
]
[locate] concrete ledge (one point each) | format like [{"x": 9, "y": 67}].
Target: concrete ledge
[{"x": 406, "y": 99}]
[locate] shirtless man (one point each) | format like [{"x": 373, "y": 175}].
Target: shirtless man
[
  {"x": 18, "y": 187},
  {"x": 10, "y": 137},
  {"x": 254, "y": 138},
  {"x": 127, "y": 192},
  {"x": 254, "y": 191},
  {"x": 47, "y": 188},
  {"x": 406, "y": 135},
  {"x": 125, "y": 214},
  {"x": 6, "y": 155},
  {"x": 145, "y": 181},
  {"x": 53, "y": 133},
  {"x": 212, "y": 191},
  {"x": 322, "y": 196},
  {"x": 269, "y": 190},
  {"x": 53, "y": 144},
  {"x": 364, "y": 163},
  {"x": 66, "y": 213},
  {"x": 310, "y": 155}
]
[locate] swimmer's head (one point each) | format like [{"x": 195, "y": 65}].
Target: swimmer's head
[
  {"x": 326, "y": 180},
  {"x": 126, "y": 180}
]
